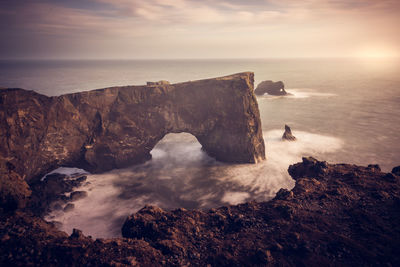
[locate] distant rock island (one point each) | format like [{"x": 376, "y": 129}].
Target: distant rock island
[{"x": 271, "y": 88}]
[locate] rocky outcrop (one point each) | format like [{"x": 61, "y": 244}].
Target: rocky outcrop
[
  {"x": 336, "y": 215},
  {"x": 50, "y": 194},
  {"x": 287, "y": 135},
  {"x": 396, "y": 170},
  {"x": 162, "y": 82},
  {"x": 115, "y": 127},
  {"x": 271, "y": 88}
]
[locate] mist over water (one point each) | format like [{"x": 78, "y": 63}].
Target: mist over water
[
  {"x": 180, "y": 174},
  {"x": 340, "y": 110}
]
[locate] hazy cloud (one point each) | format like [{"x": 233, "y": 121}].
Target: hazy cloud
[{"x": 190, "y": 28}]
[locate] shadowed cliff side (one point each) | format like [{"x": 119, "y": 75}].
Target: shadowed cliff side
[{"x": 115, "y": 127}]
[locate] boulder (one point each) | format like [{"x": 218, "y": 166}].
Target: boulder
[
  {"x": 287, "y": 135},
  {"x": 271, "y": 88}
]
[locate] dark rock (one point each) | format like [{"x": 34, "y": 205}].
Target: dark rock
[
  {"x": 69, "y": 207},
  {"x": 51, "y": 191},
  {"x": 270, "y": 87},
  {"x": 358, "y": 225},
  {"x": 374, "y": 167},
  {"x": 305, "y": 226},
  {"x": 390, "y": 177},
  {"x": 310, "y": 167},
  {"x": 284, "y": 194},
  {"x": 396, "y": 170},
  {"x": 115, "y": 127},
  {"x": 287, "y": 135},
  {"x": 14, "y": 191},
  {"x": 76, "y": 233},
  {"x": 77, "y": 195}
]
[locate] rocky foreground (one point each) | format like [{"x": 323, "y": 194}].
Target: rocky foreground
[{"x": 337, "y": 214}]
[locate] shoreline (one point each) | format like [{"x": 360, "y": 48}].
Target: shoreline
[{"x": 340, "y": 212}]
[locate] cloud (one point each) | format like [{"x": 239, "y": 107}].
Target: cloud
[{"x": 159, "y": 27}]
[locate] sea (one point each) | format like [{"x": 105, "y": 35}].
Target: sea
[{"x": 341, "y": 110}]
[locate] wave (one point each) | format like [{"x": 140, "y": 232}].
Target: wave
[
  {"x": 180, "y": 174},
  {"x": 300, "y": 93},
  {"x": 67, "y": 171}
]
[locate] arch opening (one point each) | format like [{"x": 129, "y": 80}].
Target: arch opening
[{"x": 179, "y": 149}]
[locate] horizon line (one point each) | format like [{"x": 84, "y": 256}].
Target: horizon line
[{"x": 194, "y": 58}]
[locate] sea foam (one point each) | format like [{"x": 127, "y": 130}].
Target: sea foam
[{"x": 180, "y": 174}]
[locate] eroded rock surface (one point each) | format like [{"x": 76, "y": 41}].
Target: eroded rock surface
[
  {"x": 115, "y": 127},
  {"x": 336, "y": 215},
  {"x": 287, "y": 135},
  {"x": 271, "y": 88}
]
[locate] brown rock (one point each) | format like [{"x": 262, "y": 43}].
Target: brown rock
[
  {"x": 287, "y": 135},
  {"x": 357, "y": 225},
  {"x": 115, "y": 127}
]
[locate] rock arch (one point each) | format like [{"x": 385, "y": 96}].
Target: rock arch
[{"x": 116, "y": 127}]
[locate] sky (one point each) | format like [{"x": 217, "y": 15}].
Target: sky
[{"x": 186, "y": 29}]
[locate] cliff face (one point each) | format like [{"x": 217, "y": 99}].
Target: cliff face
[{"x": 115, "y": 127}]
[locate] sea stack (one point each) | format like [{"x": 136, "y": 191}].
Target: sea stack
[
  {"x": 287, "y": 135},
  {"x": 271, "y": 88}
]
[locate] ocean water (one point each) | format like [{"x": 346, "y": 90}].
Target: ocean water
[{"x": 341, "y": 110}]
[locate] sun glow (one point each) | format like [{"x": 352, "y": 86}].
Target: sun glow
[{"x": 377, "y": 52}]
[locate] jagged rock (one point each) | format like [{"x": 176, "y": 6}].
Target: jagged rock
[
  {"x": 396, "y": 170},
  {"x": 270, "y": 87},
  {"x": 76, "y": 195},
  {"x": 336, "y": 215},
  {"x": 14, "y": 192},
  {"x": 162, "y": 82},
  {"x": 69, "y": 207},
  {"x": 375, "y": 167},
  {"x": 115, "y": 127},
  {"x": 287, "y": 135},
  {"x": 52, "y": 191}
]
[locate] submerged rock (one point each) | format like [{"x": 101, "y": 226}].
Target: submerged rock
[
  {"x": 69, "y": 207},
  {"x": 287, "y": 135},
  {"x": 271, "y": 88},
  {"x": 76, "y": 195}
]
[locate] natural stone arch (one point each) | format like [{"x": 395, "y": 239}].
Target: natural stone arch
[{"x": 116, "y": 127}]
